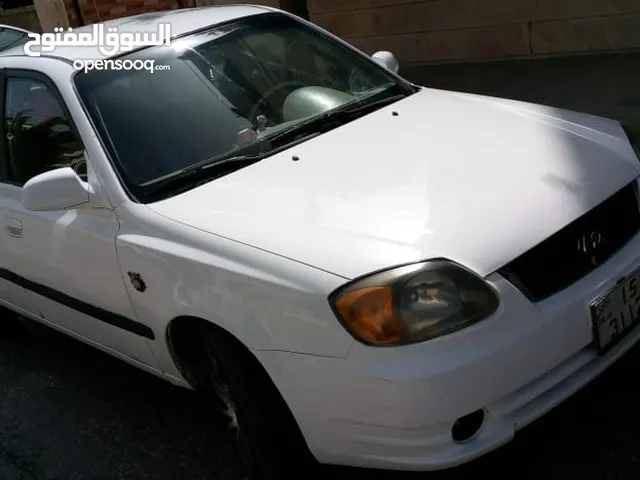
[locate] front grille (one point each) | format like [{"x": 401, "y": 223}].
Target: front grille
[{"x": 577, "y": 249}]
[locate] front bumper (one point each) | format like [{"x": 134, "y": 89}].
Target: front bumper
[{"x": 393, "y": 408}]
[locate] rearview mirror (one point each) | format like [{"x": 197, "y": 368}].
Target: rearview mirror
[
  {"x": 55, "y": 190},
  {"x": 387, "y": 60}
]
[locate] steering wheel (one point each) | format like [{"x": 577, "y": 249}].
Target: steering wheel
[{"x": 264, "y": 100}]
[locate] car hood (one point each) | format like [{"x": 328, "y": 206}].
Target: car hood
[{"x": 474, "y": 179}]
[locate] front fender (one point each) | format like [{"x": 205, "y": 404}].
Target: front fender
[{"x": 267, "y": 302}]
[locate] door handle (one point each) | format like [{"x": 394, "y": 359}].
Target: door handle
[{"x": 14, "y": 228}]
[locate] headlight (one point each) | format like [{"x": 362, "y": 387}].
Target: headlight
[{"x": 413, "y": 303}]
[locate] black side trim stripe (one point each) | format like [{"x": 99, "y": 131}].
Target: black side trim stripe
[{"x": 80, "y": 306}]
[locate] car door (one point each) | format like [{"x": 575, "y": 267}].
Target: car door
[
  {"x": 66, "y": 259},
  {"x": 12, "y": 294}
]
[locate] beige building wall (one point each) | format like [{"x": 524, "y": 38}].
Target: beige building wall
[
  {"x": 23, "y": 17},
  {"x": 52, "y": 14},
  {"x": 425, "y": 31}
]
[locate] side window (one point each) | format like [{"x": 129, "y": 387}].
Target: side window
[{"x": 39, "y": 136}]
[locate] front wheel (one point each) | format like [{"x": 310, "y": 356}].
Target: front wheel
[{"x": 268, "y": 439}]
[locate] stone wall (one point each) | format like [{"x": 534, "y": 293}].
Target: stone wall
[
  {"x": 434, "y": 31},
  {"x": 101, "y": 10},
  {"x": 23, "y": 17},
  {"x": 423, "y": 31}
]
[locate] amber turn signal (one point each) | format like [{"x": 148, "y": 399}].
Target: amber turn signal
[{"x": 368, "y": 312}]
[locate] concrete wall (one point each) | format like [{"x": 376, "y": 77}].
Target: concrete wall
[
  {"x": 23, "y": 17},
  {"x": 52, "y": 14},
  {"x": 434, "y": 31},
  {"x": 421, "y": 31},
  {"x": 63, "y": 13},
  {"x": 100, "y": 10}
]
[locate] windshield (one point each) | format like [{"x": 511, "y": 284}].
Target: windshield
[{"x": 227, "y": 88}]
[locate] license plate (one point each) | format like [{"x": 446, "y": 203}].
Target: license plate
[{"x": 615, "y": 314}]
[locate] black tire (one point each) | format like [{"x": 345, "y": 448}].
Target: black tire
[{"x": 268, "y": 438}]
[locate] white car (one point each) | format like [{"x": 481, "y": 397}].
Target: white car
[{"x": 380, "y": 274}]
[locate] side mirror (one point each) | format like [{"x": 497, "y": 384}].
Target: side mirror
[
  {"x": 55, "y": 190},
  {"x": 387, "y": 60}
]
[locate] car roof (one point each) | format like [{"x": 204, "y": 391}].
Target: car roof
[{"x": 182, "y": 22}]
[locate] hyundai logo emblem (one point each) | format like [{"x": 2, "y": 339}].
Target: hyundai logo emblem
[{"x": 588, "y": 244}]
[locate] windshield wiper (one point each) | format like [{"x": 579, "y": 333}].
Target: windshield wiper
[
  {"x": 212, "y": 168},
  {"x": 206, "y": 170},
  {"x": 332, "y": 119}
]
